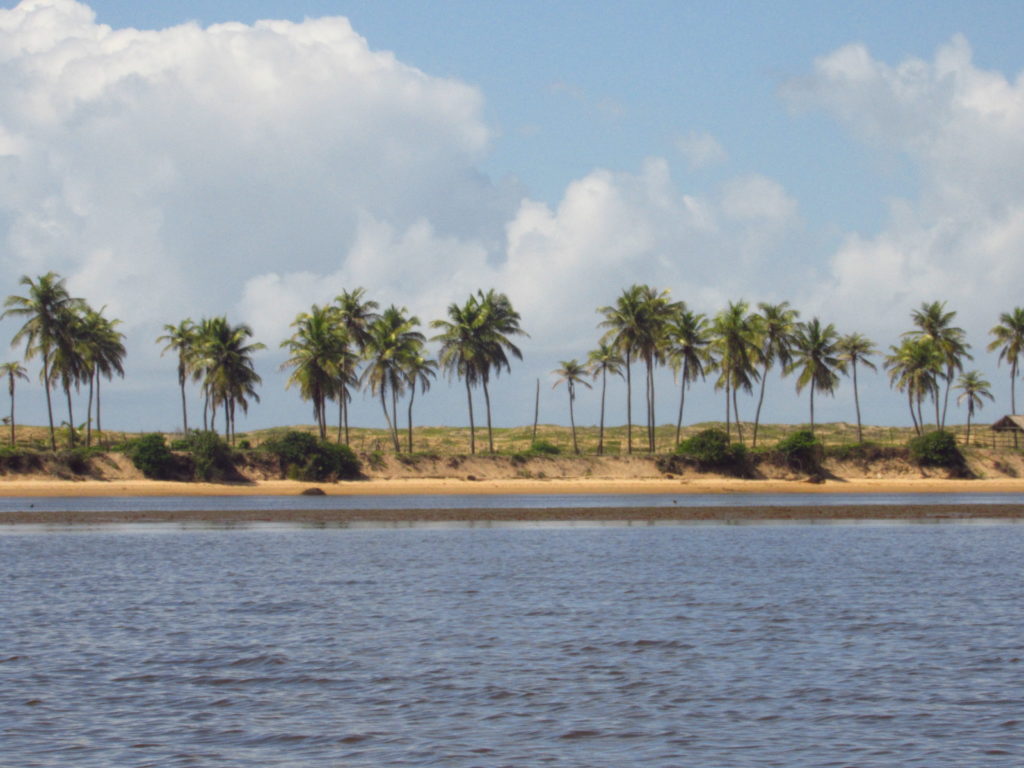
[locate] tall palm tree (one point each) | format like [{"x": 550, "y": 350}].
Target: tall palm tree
[
  {"x": 572, "y": 372},
  {"x": 182, "y": 339},
  {"x": 13, "y": 371},
  {"x": 973, "y": 388},
  {"x": 815, "y": 357},
  {"x": 734, "y": 345},
  {"x": 914, "y": 367},
  {"x": 604, "y": 360},
  {"x": 69, "y": 364},
  {"x": 104, "y": 350},
  {"x": 417, "y": 369},
  {"x": 356, "y": 314},
  {"x": 1009, "y": 340},
  {"x": 500, "y": 324},
  {"x": 461, "y": 354},
  {"x": 934, "y": 323},
  {"x": 46, "y": 310},
  {"x": 622, "y": 319},
  {"x": 856, "y": 348},
  {"x": 775, "y": 326},
  {"x": 317, "y": 349},
  {"x": 689, "y": 338},
  {"x": 392, "y": 342},
  {"x": 229, "y": 375}
]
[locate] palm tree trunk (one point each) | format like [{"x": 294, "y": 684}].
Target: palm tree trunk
[
  {"x": 184, "y": 406},
  {"x": 12, "y": 410},
  {"x": 49, "y": 403},
  {"x": 536, "y": 412},
  {"x": 935, "y": 398},
  {"x": 394, "y": 420},
  {"x": 341, "y": 412},
  {"x": 651, "y": 440},
  {"x": 760, "y": 402},
  {"x": 629, "y": 405},
  {"x": 412, "y": 397},
  {"x": 387, "y": 416},
  {"x": 487, "y": 404},
  {"x": 472, "y": 426},
  {"x": 572, "y": 422},
  {"x": 88, "y": 411},
  {"x": 910, "y": 404},
  {"x": 812, "y": 406},
  {"x": 970, "y": 412},
  {"x": 728, "y": 404},
  {"x": 682, "y": 399},
  {"x": 736, "y": 416},
  {"x": 99, "y": 426},
  {"x": 71, "y": 416},
  {"x": 945, "y": 399},
  {"x": 1013, "y": 395},
  {"x": 600, "y": 429},
  {"x": 856, "y": 403}
]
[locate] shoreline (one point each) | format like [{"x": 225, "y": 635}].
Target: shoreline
[{"x": 49, "y": 487}]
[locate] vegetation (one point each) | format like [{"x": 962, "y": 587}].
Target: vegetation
[
  {"x": 301, "y": 456},
  {"x": 152, "y": 457},
  {"x": 937, "y": 449},
  {"x": 572, "y": 373},
  {"x": 211, "y": 456},
  {"x": 710, "y": 449},
  {"x": 802, "y": 451}
]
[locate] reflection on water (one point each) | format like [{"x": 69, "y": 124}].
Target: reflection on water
[{"x": 632, "y": 646}]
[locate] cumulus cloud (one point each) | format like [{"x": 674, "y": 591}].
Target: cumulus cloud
[{"x": 961, "y": 238}]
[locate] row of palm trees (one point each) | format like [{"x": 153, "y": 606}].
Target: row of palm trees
[
  {"x": 78, "y": 347},
  {"x": 740, "y": 346}
]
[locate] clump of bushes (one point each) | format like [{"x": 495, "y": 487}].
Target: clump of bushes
[
  {"x": 302, "y": 456},
  {"x": 802, "y": 451},
  {"x": 937, "y": 449},
  {"x": 711, "y": 450},
  {"x": 151, "y": 456},
  {"x": 211, "y": 456}
]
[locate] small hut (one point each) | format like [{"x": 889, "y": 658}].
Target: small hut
[{"x": 1008, "y": 432}]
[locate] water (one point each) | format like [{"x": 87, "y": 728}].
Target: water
[
  {"x": 484, "y": 501},
  {"x": 688, "y": 646}
]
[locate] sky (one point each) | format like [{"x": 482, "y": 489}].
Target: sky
[{"x": 190, "y": 159}]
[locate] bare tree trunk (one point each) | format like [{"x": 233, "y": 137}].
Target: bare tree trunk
[
  {"x": 913, "y": 417},
  {"x": 412, "y": 397},
  {"x": 12, "y": 410},
  {"x": 728, "y": 404},
  {"x": 487, "y": 404},
  {"x": 49, "y": 404},
  {"x": 856, "y": 403},
  {"x": 760, "y": 402},
  {"x": 736, "y": 416},
  {"x": 812, "y": 406},
  {"x": 572, "y": 420},
  {"x": 71, "y": 416},
  {"x": 682, "y": 400},
  {"x": 472, "y": 426},
  {"x": 387, "y": 416},
  {"x": 99, "y": 425},
  {"x": 184, "y": 406},
  {"x": 600, "y": 429},
  {"x": 88, "y": 412},
  {"x": 629, "y": 404}
]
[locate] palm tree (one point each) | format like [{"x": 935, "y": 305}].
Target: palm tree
[
  {"x": 974, "y": 389},
  {"x": 855, "y": 348},
  {"x": 229, "y": 376},
  {"x": 572, "y": 372},
  {"x": 914, "y": 367},
  {"x": 181, "y": 338},
  {"x": 622, "y": 321},
  {"x": 688, "y": 353},
  {"x": 356, "y": 315},
  {"x": 734, "y": 345},
  {"x": 46, "y": 310},
  {"x": 933, "y": 322},
  {"x": 317, "y": 349},
  {"x": 69, "y": 364},
  {"x": 13, "y": 371},
  {"x": 104, "y": 350},
  {"x": 604, "y": 360},
  {"x": 500, "y": 324},
  {"x": 391, "y": 343},
  {"x": 1009, "y": 340},
  {"x": 815, "y": 356},
  {"x": 775, "y": 327},
  {"x": 417, "y": 369}
]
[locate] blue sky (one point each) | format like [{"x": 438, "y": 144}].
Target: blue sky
[{"x": 847, "y": 157}]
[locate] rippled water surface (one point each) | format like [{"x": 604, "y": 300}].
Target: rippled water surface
[{"x": 686, "y": 646}]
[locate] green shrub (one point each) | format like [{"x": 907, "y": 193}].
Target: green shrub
[
  {"x": 244, "y": 445},
  {"x": 303, "y": 457},
  {"x": 802, "y": 451},
  {"x": 152, "y": 457},
  {"x": 211, "y": 456},
  {"x": 866, "y": 452},
  {"x": 710, "y": 450},
  {"x": 544, "y": 448},
  {"x": 936, "y": 449}
]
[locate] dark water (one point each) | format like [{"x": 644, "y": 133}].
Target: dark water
[
  {"x": 520, "y": 501},
  {"x": 703, "y": 646}
]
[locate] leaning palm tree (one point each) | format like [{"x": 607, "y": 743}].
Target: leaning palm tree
[
  {"x": 775, "y": 325},
  {"x": 572, "y": 372},
  {"x": 974, "y": 389},
  {"x": 914, "y": 367},
  {"x": 604, "y": 360},
  {"x": 316, "y": 350},
  {"x": 461, "y": 354},
  {"x": 417, "y": 369},
  {"x": 815, "y": 359},
  {"x": 392, "y": 342},
  {"x": 13, "y": 371},
  {"x": 934, "y": 323},
  {"x": 688, "y": 353},
  {"x": 735, "y": 349},
  {"x": 1009, "y": 340},
  {"x": 182, "y": 339},
  {"x": 46, "y": 310},
  {"x": 355, "y": 314},
  {"x": 855, "y": 348}
]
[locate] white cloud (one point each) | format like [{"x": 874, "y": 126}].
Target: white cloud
[{"x": 701, "y": 149}]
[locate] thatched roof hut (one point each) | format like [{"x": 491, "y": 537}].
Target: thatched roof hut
[{"x": 1008, "y": 430}]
